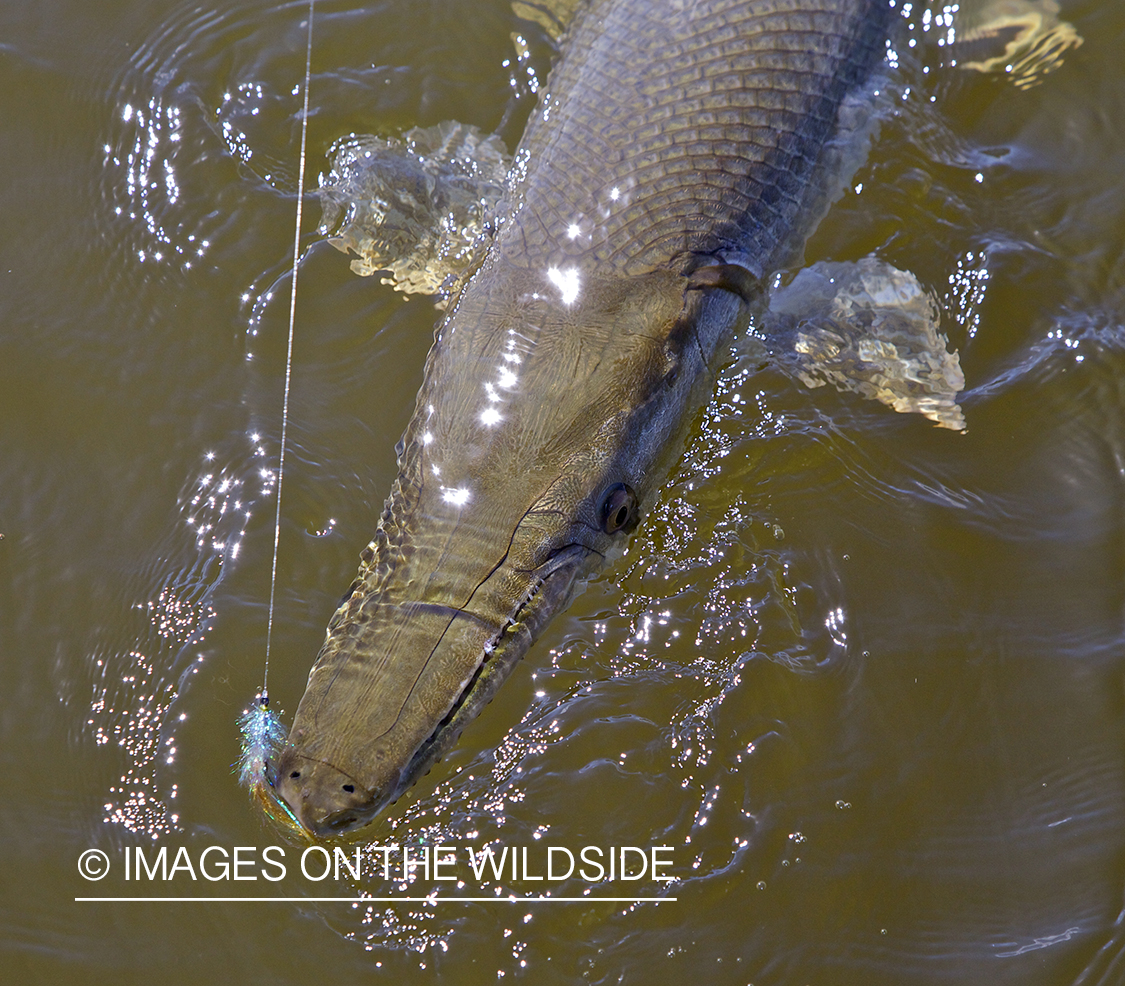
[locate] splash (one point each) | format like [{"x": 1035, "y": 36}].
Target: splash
[
  {"x": 1024, "y": 40},
  {"x": 871, "y": 329},
  {"x": 415, "y": 209}
]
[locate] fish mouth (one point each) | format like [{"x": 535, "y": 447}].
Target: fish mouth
[{"x": 345, "y": 821}]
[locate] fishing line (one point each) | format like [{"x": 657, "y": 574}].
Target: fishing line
[{"x": 262, "y": 731}]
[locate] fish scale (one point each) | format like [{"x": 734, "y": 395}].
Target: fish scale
[{"x": 707, "y": 119}]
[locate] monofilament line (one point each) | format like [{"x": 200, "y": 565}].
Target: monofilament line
[{"x": 289, "y": 352}]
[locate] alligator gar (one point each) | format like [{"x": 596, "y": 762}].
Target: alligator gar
[{"x": 681, "y": 154}]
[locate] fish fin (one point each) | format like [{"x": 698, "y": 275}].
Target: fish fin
[{"x": 727, "y": 277}]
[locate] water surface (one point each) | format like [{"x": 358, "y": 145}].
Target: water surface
[{"x": 865, "y": 676}]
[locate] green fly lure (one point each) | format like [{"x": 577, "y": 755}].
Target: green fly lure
[{"x": 263, "y": 736}]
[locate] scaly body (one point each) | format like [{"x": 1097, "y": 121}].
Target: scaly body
[{"x": 681, "y": 154}]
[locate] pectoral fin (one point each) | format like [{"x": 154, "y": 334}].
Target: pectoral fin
[{"x": 726, "y": 277}]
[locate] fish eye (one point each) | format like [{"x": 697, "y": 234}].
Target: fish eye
[{"x": 619, "y": 508}]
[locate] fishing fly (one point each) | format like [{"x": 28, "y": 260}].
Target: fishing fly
[{"x": 262, "y": 732}]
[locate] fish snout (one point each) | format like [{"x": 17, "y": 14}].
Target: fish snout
[{"x": 325, "y": 800}]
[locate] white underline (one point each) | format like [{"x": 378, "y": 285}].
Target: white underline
[{"x": 379, "y": 900}]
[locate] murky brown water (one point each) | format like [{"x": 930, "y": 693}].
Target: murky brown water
[{"x": 864, "y": 676}]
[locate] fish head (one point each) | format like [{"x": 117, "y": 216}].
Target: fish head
[{"x": 544, "y": 425}]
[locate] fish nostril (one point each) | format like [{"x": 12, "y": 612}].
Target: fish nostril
[
  {"x": 350, "y": 788},
  {"x": 295, "y": 774}
]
